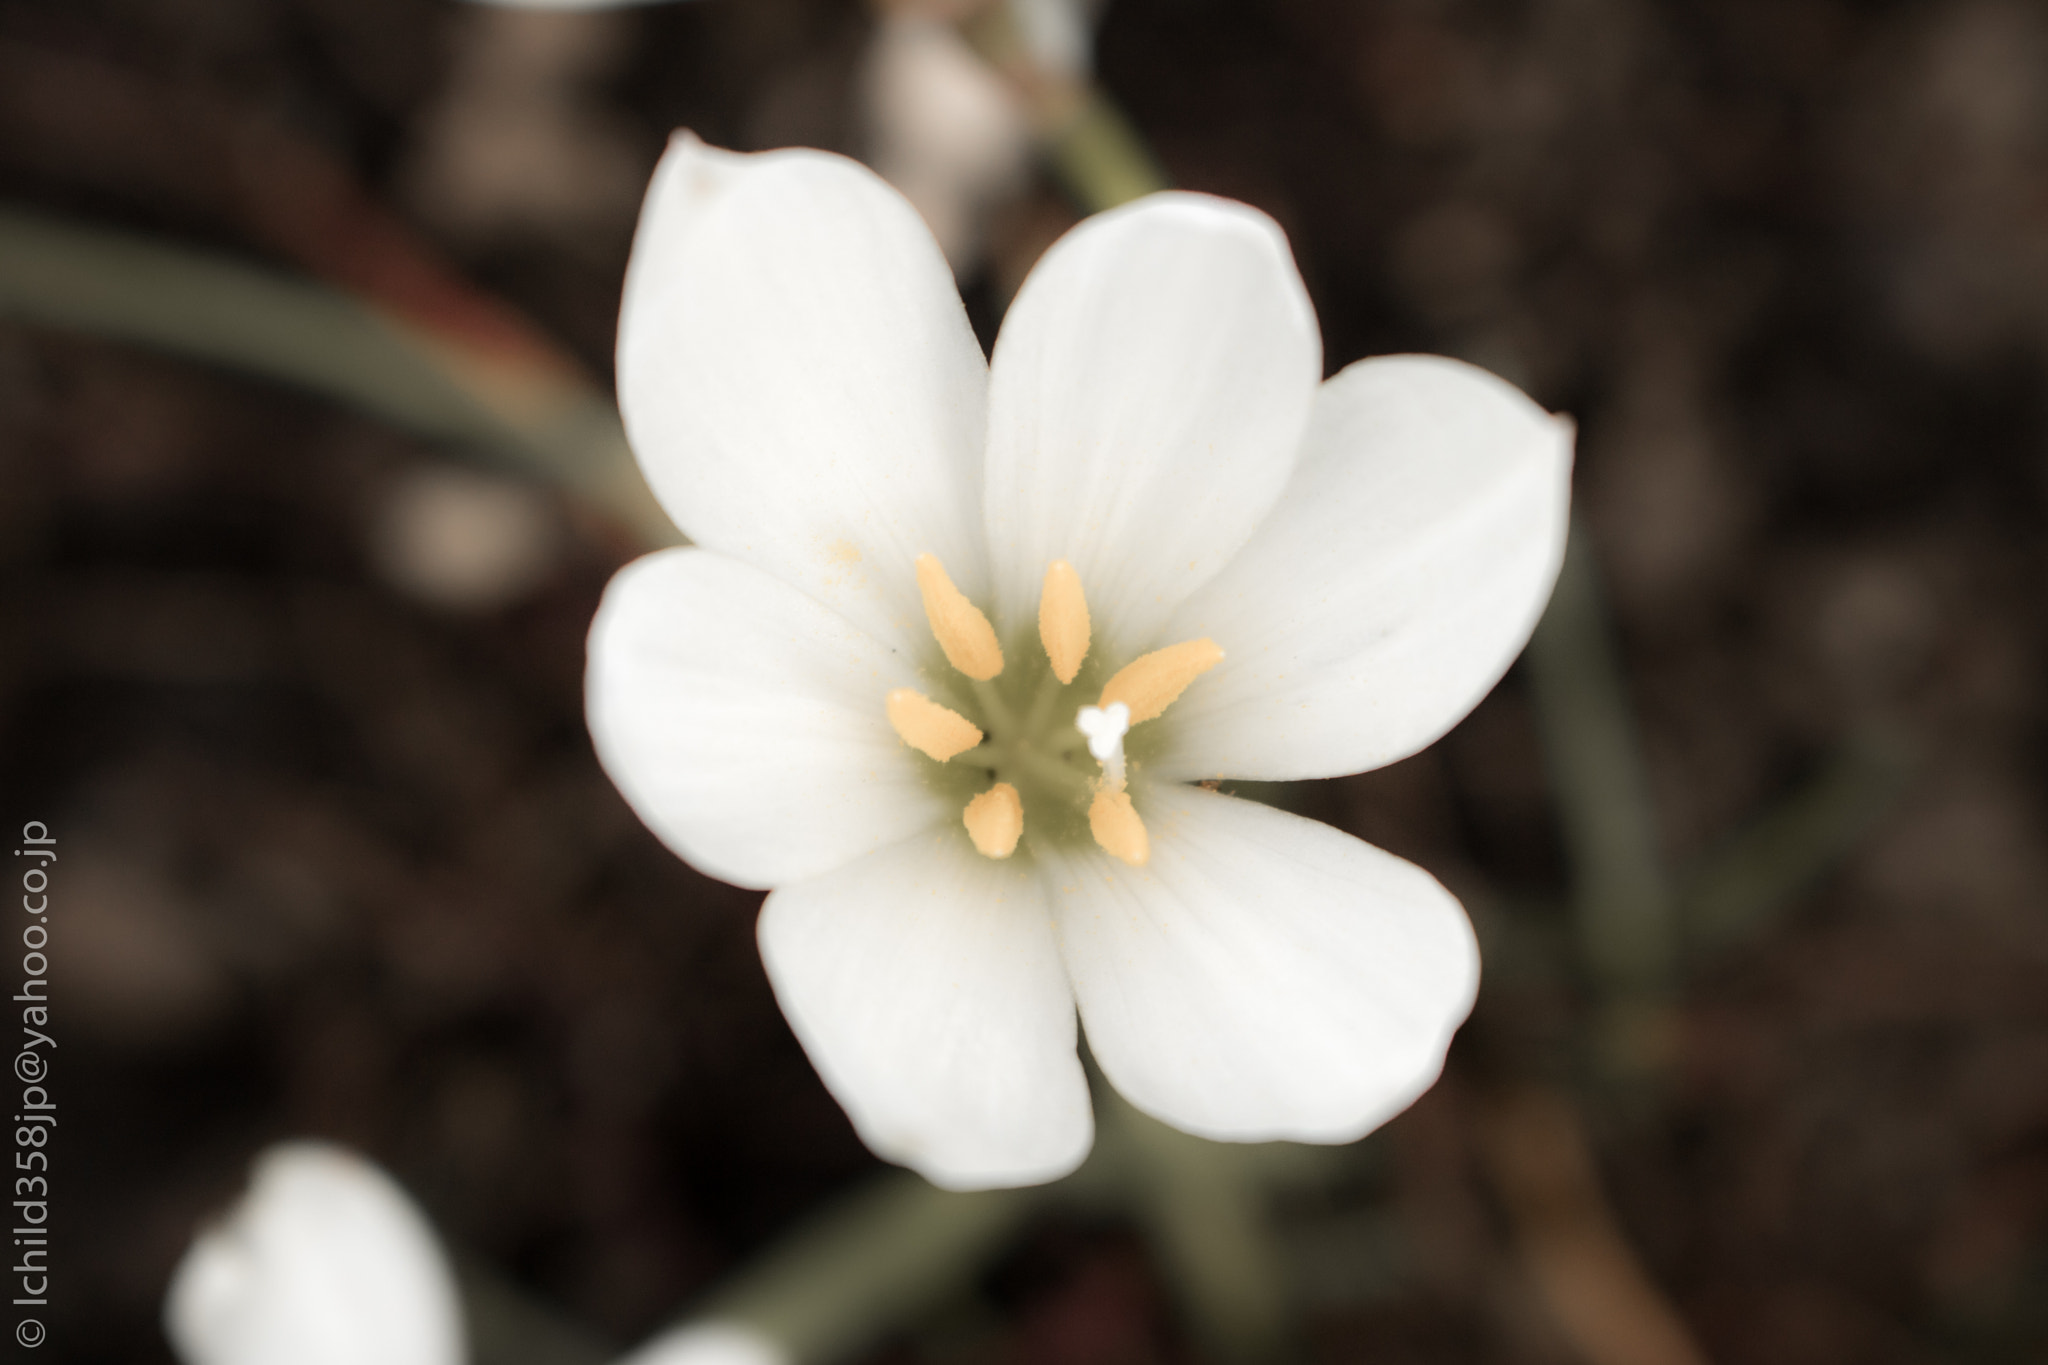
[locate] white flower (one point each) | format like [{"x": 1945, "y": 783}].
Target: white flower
[
  {"x": 712, "y": 1342},
  {"x": 916, "y": 567},
  {"x": 324, "y": 1262}
]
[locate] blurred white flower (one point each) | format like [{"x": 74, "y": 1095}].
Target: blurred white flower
[
  {"x": 508, "y": 144},
  {"x": 1058, "y": 36},
  {"x": 324, "y": 1262},
  {"x": 566, "y": 4},
  {"x": 462, "y": 539},
  {"x": 518, "y": 142},
  {"x": 943, "y": 127},
  {"x": 915, "y": 568},
  {"x": 709, "y": 1343},
  {"x": 949, "y": 129}
]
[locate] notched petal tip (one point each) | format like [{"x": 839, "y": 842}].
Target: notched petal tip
[
  {"x": 324, "y": 1257},
  {"x": 687, "y": 179},
  {"x": 925, "y": 983}
]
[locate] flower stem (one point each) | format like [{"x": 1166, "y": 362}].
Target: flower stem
[
  {"x": 220, "y": 311},
  {"x": 831, "y": 1289},
  {"x": 1763, "y": 867},
  {"x": 1623, "y": 900}
]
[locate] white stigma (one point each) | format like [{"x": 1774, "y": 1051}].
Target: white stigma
[{"x": 1106, "y": 727}]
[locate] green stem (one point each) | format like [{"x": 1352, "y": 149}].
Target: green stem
[
  {"x": 508, "y": 1326},
  {"x": 1623, "y": 902},
  {"x": 223, "y": 312},
  {"x": 1204, "y": 1209},
  {"x": 1763, "y": 868},
  {"x": 1100, "y": 157},
  {"x": 835, "y": 1287}
]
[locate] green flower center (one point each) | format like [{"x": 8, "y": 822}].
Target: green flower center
[{"x": 1001, "y": 726}]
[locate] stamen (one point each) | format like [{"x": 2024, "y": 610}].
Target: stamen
[
  {"x": 1106, "y": 727},
  {"x": 964, "y": 633},
  {"x": 994, "y": 819},
  {"x": 1151, "y": 683},
  {"x": 1063, "y": 620},
  {"x": 934, "y": 730},
  {"x": 1118, "y": 829}
]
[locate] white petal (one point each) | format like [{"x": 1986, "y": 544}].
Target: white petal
[
  {"x": 324, "y": 1262},
  {"x": 710, "y": 1342},
  {"x": 799, "y": 379},
  {"x": 1263, "y": 976},
  {"x": 925, "y": 985},
  {"x": 746, "y": 724},
  {"x": 1149, "y": 390},
  {"x": 1393, "y": 585},
  {"x": 568, "y": 4}
]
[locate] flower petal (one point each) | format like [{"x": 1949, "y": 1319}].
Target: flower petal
[
  {"x": 925, "y": 985},
  {"x": 1264, "y": 976},
  {"x": 799, "y": 379},
  {"x": 746, "y": 724},
  {"x": 325, "y": 1261},
  {"x": 1393, "y": 585},
  {"x": 1149, "y": 390},
  {"x": 711, "y": 1341}
]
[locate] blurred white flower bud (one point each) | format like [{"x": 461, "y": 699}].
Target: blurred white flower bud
[
  {"x": 1059, "y": 35},
  {"x": 325, "y": 1261},
  {"x": 567, "y": 4},
  {"x": 521, "y": 140},
  {"x": 709, "y": 1343},
  {"x": 462, "y": 539},
  {"x": 944, "y": 128}
]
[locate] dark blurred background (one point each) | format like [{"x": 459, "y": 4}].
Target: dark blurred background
[{"x": 336, "y": 858}]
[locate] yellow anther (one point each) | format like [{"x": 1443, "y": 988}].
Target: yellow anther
[
  {"x": 994, "y": 819},
  {"x": 1151, "y": 683},
  {"x": 1118, "y": 829},
  {"x": 1063, "y": 620},
  {"x": 964, "y": 633},
  {"x": 929, "y": 727}
]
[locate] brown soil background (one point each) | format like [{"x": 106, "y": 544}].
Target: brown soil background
[{"x": 337, "y": 862}]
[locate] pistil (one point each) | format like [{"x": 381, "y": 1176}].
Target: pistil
[
  {"x": 1026, "y": 743},
  {"x": 1105, "y": 727}
]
